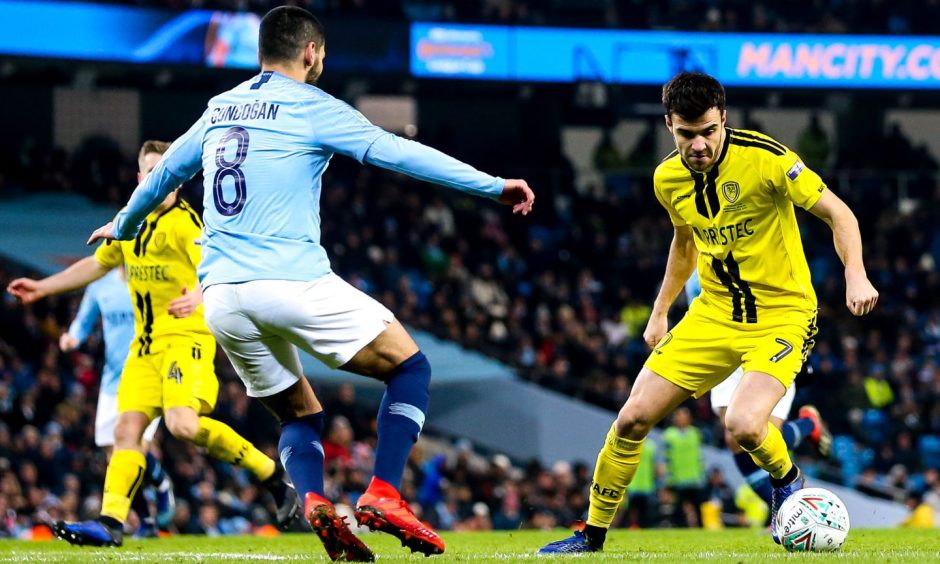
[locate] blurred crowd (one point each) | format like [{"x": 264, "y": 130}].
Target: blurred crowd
[
  {"x": 562, "y": 296},
  {"x": 808, "y": 16},
  {"x": 51, "y": 470}
]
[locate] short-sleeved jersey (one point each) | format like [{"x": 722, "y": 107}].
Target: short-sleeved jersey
[
  {"x": 751, "y": 263},
  {"x": 160, "y": 262},
  {"x": 108, "y": 299}
]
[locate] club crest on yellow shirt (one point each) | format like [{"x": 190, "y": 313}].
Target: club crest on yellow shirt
[
  {"x": 159, "y": 239},
  {"x": 731, "y": 191}
]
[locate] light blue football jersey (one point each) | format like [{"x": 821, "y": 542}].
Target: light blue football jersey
[
  {"x": 108, "y": 299},
  {"x": 263, "y": 147},
  {"x": 693, "y": 287}
]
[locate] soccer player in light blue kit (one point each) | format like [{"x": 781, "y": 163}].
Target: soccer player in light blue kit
[
  {"x": 109, "y": 300},
  {"x": 267, "y": 282},
  {"x": 809, "y": 425}
]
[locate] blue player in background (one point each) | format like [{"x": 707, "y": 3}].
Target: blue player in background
[
  {"x": 809, "y": 425},
  {"x": 109, "y": 300},
  {"x": 268, "y": 286}
]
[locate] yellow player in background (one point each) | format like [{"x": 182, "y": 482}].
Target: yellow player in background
[{"x": 170, "y": 368}]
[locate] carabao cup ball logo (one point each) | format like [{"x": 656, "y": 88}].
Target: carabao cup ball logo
[{"x": 731, "y": 191}]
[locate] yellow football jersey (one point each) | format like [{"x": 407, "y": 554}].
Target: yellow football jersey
[
  {"x": 751, "y": 262},
  {"x": 160, "y": 262}
]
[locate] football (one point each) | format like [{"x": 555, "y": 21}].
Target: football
[{"x": 813, "y": 520}]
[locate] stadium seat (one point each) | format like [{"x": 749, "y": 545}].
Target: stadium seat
[
  {"x": 875, "y": 422},
  {"x": 929, "y": 448}
]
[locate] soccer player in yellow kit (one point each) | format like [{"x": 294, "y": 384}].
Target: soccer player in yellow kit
[
  {"x": 730, "y": 196},
  {"x": 170, "y": 368}
]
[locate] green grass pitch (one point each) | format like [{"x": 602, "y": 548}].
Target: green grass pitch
[{"x": 733, "y": 546}]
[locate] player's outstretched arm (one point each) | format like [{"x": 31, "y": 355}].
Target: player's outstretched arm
[
  {"x": 344, "y": 130},
  {"x": 426, "y": 163},
  {"x": 103, "y": 233},
  {"x": 860, "y": 295},
  {"x": 180, "y": 162},
  {"x": 679, "y": 266},
  {"x": 516, "y": 193},
  {"x": 78, "y": 275},
  {"x": 67, "y": 342},
  {"x": 83, "y": 324}
]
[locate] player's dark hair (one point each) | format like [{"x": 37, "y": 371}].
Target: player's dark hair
[
  {"x": 285, "y": 31},
  {"x": 691, "y": 94},
  {"x": 153, "y": 146}
]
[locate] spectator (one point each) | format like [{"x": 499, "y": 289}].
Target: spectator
[
  {"x": 641, "y": 494},
  {"x": 813, "y": 145},
  {"x": 685, "y": 472},
  {"x": 544, "y": 296},
  {"x": 922, "y": 514},
  {"x": 878, "y": 389}
]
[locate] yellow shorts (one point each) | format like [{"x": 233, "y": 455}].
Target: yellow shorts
[
  {"x": 703, "y": 349},
  {"x": 179, "y": 372}
]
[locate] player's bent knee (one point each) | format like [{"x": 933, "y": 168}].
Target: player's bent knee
[
  {"x": 384, "y": 354},
  {"x": 632, "y": 424},
  {"x": 731, "y": 443},
  {"x": 129, "y": 430},
  {"x": 127, "y": 438},
  {"x": 746, "y": 430},
  {"x": 297, "y": 401},
  {"x": 182, "y": 426}
]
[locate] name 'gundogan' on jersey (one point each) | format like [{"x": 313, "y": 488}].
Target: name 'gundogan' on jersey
[{"x": 751, "y": 260}]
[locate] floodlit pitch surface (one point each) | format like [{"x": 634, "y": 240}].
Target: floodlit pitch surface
[{"x": 863, "y": 546}]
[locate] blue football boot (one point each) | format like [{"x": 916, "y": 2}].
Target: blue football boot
[
  {"x": 88, "y": 533},
  {"x": 779, "y": 496},
  {"x": 147, "y": 530},
  {"x": 285, "y": 496},
  {"x": 573, "y": 544}
]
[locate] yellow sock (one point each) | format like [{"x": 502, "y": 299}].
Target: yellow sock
[
  {"x": 125, "y": 474},
  {"x": 616, "y": 466},
  {"x": 225, "y": 444},
  {"x": 772, "y": 454}
]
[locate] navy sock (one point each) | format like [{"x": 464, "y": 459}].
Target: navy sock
[
  {"x": 796, "y": 430},
  {"x": 155, "y": 472},
  {"x": 142, "y": 508},
  {"x": 401, "y": 417},
  {"x": 302, "y": 453},
  {"x": 758, "y": 479}
]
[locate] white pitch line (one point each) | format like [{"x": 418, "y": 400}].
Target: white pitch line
[
  {"x": 136, "y": 557},
  {"x": 194, "y": 556}
]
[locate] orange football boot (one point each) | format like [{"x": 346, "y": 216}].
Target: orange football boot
[
  {"x": 340, "y": 543},
  {"x": 820, "y": 437},
  {"x": 381, "y": 508}
]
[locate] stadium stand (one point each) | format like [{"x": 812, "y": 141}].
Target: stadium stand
[
  {"x": 821, "y": 16},
  {"x": 878, "y": 382},
  {"x": 561, "y": 298}
]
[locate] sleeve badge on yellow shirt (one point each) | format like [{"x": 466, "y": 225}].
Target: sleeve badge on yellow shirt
[{"x": 795, "y": 170}]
